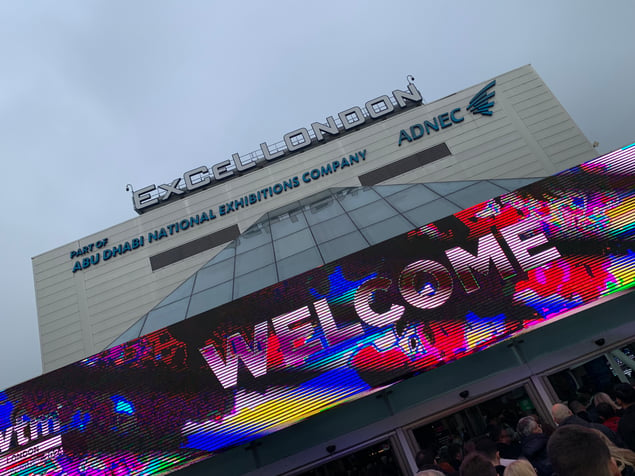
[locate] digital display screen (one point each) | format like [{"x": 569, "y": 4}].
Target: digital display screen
[{"x": 339, "y": 332}]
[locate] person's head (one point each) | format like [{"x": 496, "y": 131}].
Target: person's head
[
  {"x": 605, "y": 410},
  {"x": 576, "y": 406},
  {"x": 527, "y": 426},
  {"x": 622, "y": 456},
  {"x": 624, "y": 394},
  {"x": 487, "y": 447},
  {"x": 602, "y": 397},
  {"x": 500, "y": 434},
  {"x": 560, "y": 412},
  {"x": 505, "y": 436},
  {"x": 424, "y": 457},
  {"x": 578, "y": 451},
  {"x": 520, "y": 467},
  {"x": 468, "y": 447},
  {"x": 477, "y": 464},
  {"x": 430, "y": 472}
]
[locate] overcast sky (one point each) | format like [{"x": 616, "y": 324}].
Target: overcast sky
[{"x": 98, "y": 94}]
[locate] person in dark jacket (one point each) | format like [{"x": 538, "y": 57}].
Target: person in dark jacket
[
  {"x": 534, "y": 445},
  {"x": 563, "y": 416},
  {"x": 625, "y": 396}
]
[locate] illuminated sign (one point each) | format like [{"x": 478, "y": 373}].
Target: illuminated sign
[
  {"x": 294, "y": 141},
  {"x": 299, "y": 339},
  {"x": 336, "y": 333}
]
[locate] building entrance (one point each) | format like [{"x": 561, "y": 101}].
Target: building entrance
[
  {"x": 494, "y": 417},
  {"x": 583, "y": 380},
  {"x": 378, "y": 459},
  {"x": 441, "y": 439}
]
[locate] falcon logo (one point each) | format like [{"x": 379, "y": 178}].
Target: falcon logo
[{"x": 480, "y": 103}]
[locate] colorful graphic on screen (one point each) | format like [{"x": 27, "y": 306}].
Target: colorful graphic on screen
[{"x": 333, "y": 334}]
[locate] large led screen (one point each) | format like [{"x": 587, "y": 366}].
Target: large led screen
[{"x": 336, "y": 333}]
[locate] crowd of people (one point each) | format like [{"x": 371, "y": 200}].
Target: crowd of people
[{"x": 593, "y": 440}]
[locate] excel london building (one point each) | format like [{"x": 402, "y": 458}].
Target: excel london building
[{"x": 392, "y": 277}]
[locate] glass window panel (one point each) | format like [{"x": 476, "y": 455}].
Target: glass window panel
[
  {"x": 330, "y": 229},
  {"x": 387, "y": 229},
  {"x": 624, "y": 357},
  {"x": 210, "y": 298},
  {"x": 131, "y": 333},
  {"x": 515, "y": 184},
  {"x": 352, "y": 198},
  {"x": 297, "y": 264},
  {"x": 292, "y": 244},
  {"x": 412, "y": 197},
  {"x": 257, "y": 235},
  {"x": 387, "y": 190},
  {"x": 443, "y": 188},
  {"x": 323, "y": 210},
  {"x": 213, "y": 275},
  {"x": 254, "y": 259},
  {"x": 182, "y": 291},
  {"x": 459, "y": 427},
  {"x": 316, "y": 197},
  {"x": 431, "y": 211},
  {"x": 285, "y": 225},
  {"x": 372, "y": 213},
  {"x": 595, "y": 375},
  {"x": 284, "y": 210},
  {"x": 477, "y": 193},
  {"x": 342, "y": 246},
  {"x": 228, "y": 252},
  {"x": 165, "y": 316},
  {"x": 379, "y": 459},
  {"x": 258, "y": 279}
]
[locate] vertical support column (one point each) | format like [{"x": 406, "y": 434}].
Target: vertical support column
[
  {"x": 406, "y": 450},
  {"x": 544, "y": 394}
]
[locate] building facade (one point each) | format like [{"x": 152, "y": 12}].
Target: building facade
[
  {"x": 90, "y": 291},
  {"x": 393, "y": 278}
]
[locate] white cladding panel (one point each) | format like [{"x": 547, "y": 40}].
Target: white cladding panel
[{"x": 528, "y": 135}]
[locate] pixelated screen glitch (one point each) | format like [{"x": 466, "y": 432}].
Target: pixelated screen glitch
[{"x": 339, "y": 332}]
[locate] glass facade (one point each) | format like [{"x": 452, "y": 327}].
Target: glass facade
[
  {"x": 307, "y": 234},
  {"x": 598, "y": 375},
  {"x": 379, "y": 459},
  {"x": 502, "y": 412}
]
